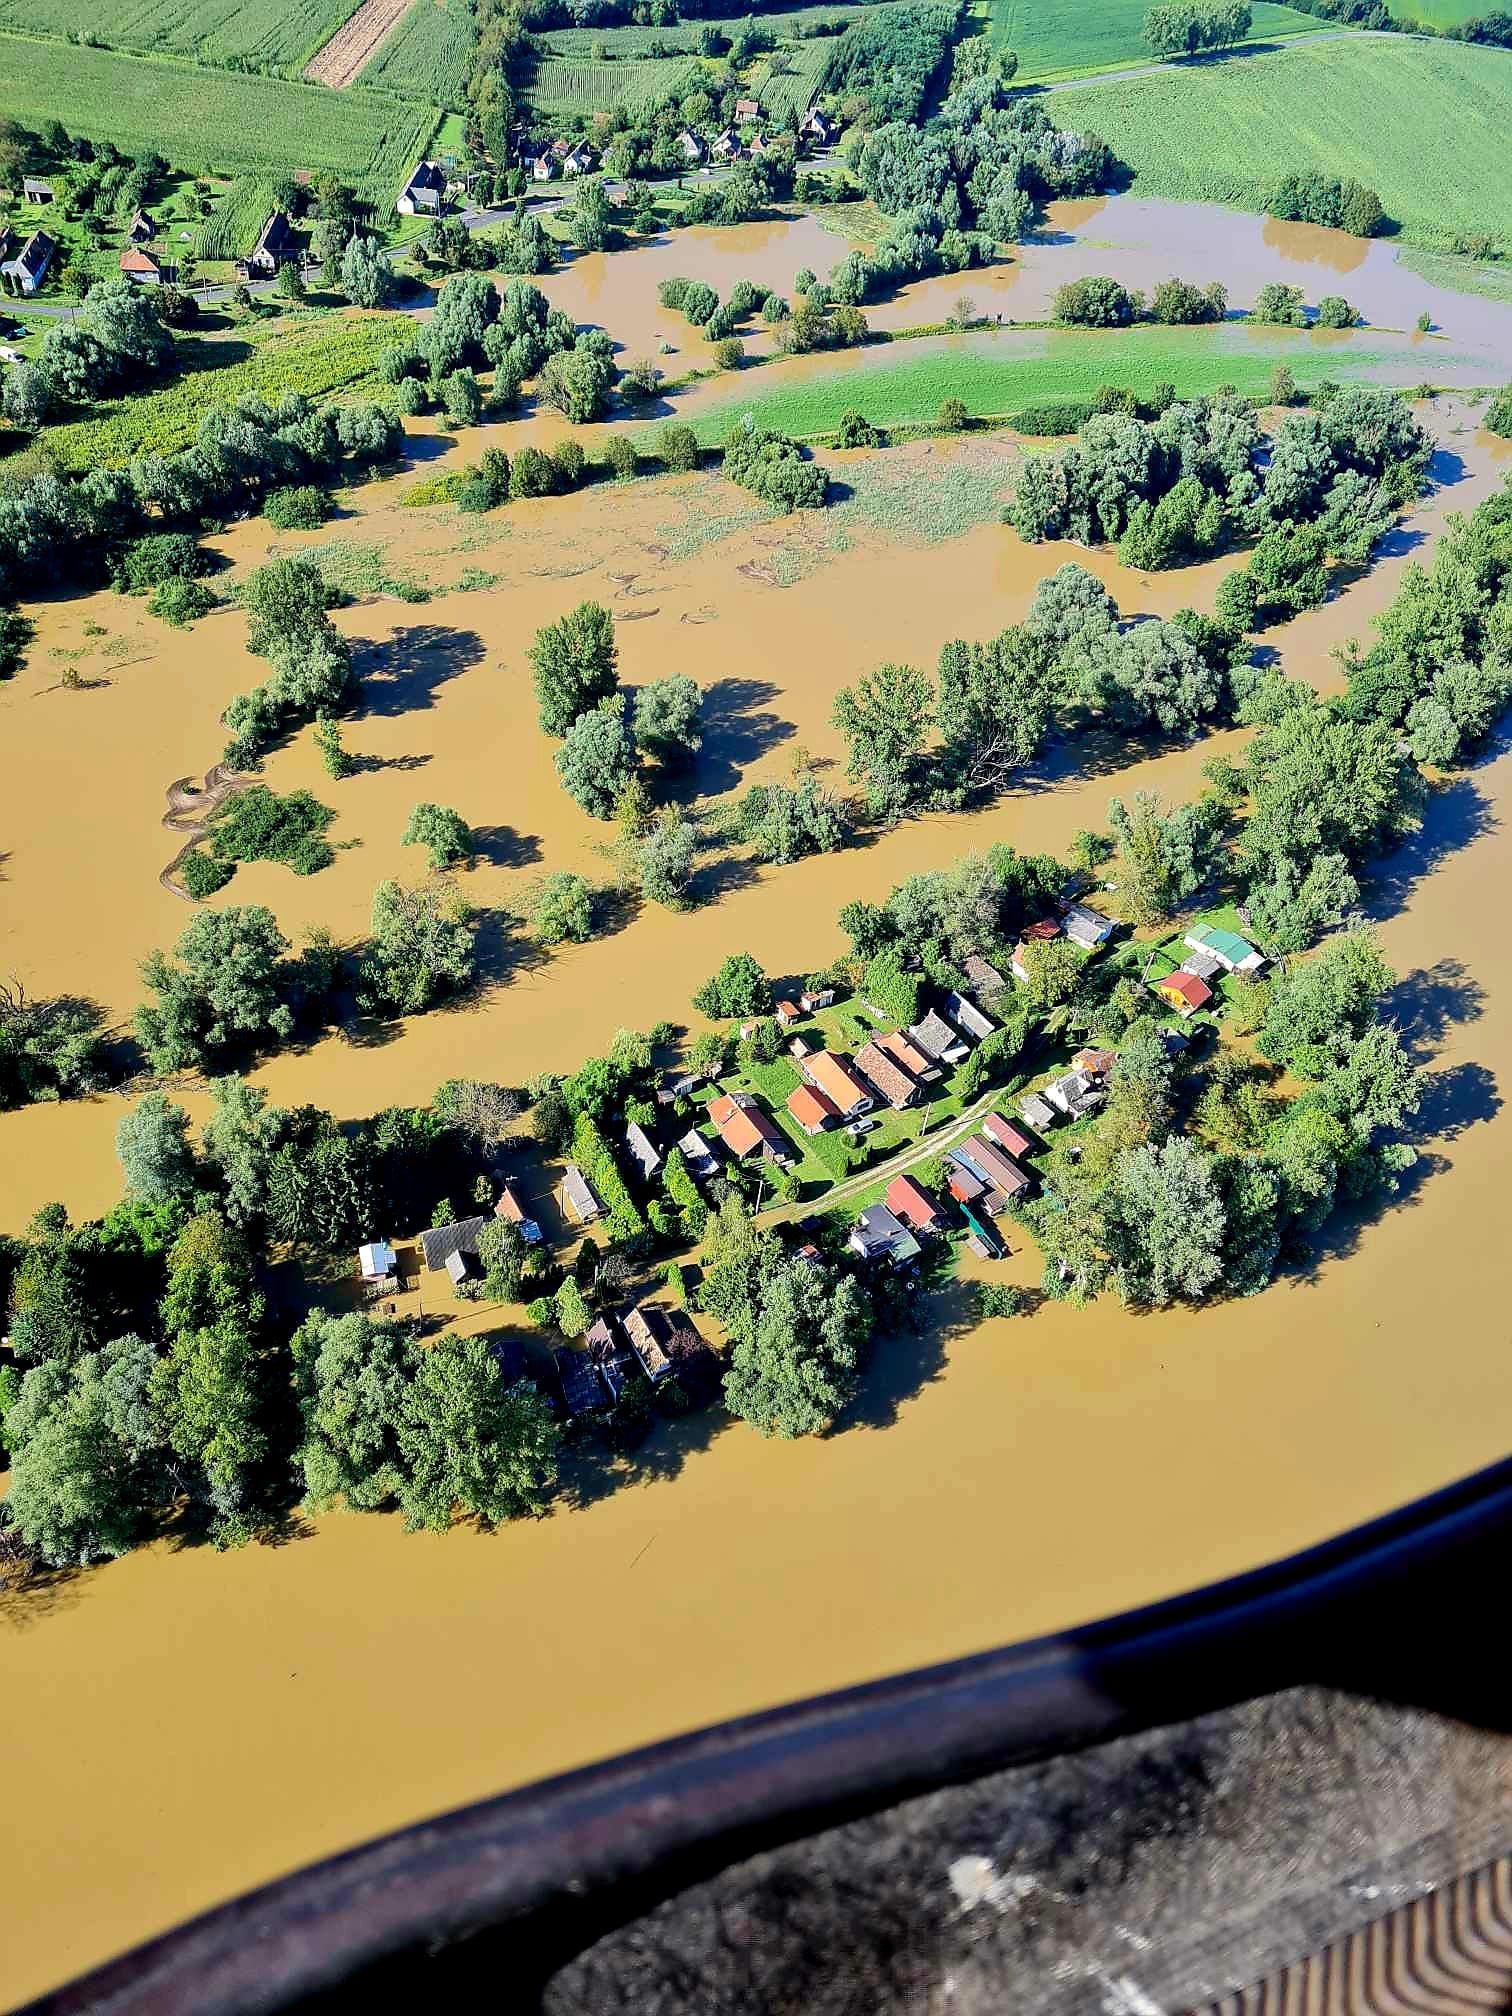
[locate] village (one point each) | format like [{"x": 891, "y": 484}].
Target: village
[{"x": 889, "y": 1147}]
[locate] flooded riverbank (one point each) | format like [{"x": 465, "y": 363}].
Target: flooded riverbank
[{"x": 1031, "y": 1474}]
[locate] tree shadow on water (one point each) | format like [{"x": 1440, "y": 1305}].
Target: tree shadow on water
[
  {"x": 503, "y": 847},
  {"x": 738, "y": 728},
  {"x": 903, "y": 1362},
  {"x": 1455, "y": 815},
  {"x": 401, "y": 676},
  {"x": 1453, "y": 1100},
  {"x": 1427, "y": 1004},
  {"x": 592, "y": 1470}
]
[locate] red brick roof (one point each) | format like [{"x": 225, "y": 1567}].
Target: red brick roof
[
  {"x": 743, "y": 1127},
  {"x": 889, "y": 1077},
  {"x": 1006, "y": 1135},
  {"x": 1194, "y": 992},
  {"x": 811, "y": 1109},
  {"x": 909, "y": 1201}
]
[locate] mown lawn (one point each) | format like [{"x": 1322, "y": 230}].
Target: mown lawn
[
  {"x": 999, "y": 372},
  {"x": 1423, "y": 123},
  {"x": 1057, "y": 38}
]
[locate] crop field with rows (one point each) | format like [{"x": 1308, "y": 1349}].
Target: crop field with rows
[
  {"x": 269, "y": 34},
  {"x": 427, "y": 55},
  {"x": 237, "y": 218},
  {"x": 682, "y": 37},
  {"x": 794, "y": 77},
  {"x": 637, "y": 86},
  {"x": 214, "y": 119}
]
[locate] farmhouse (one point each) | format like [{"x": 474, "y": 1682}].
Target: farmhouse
[
  {"x": 878, "y": 1235},
  {"x": 963, "y": 1182},
  {"x": 788, "y": 1012},
  {"x": 643, "y": 1151},
  {"x": 968, "y": 1018},
  {"x": 935, "y": 1037},
  {"x": 907, "y": 1053},
  {"x": 698, "y": 1155},
  {"x": 442, "y": 1242},
  {"x": 644, "y": 1328},
  {"x": 889, "y": 1077},
  {"x": 1096, "y": 1063},
  {"x": 832, "y": 1075},
  {"x": 983, "y": 975},
  {"x": 1037, "y": 1111},
  {"x": 28, "y": 267},
  {"x": 35, "y": 190},
  {"x": 578, "y": 1200},
  {"x": 1000, "y": 1170},
  {"x": 1184, "y": 992},
  {"x": 579, "y": 160},
  {"x": 818, "y": 127},
  {"x": 693, "y": 148},
  {"x": 1012, "y": 1140},
  {"x": 1206, "y": 965},
  {"x": 745, "y": 1130},
  {"x": 1086, "y": 927},
  {"x": 727, "y": 145},
  {"x": 1076, "y": 1094},
  {"x": 816, "y": 998},
  {"x": 1233, "y": 953},
  {"x": 746, "y": 109},
  {"x": 511, "y": 1209},
  {"x": 544, "y": 166},
  {"x": 277, "y": 243},
  {"x": 142, "y": 267},
  {"x": 582, "y": 1388},
  {"x": 142, "y": 229},
  {"x": 424, "y": 193},
  {"x": 912, "y": 1203},
  {"x": 812, "y": 1110}
]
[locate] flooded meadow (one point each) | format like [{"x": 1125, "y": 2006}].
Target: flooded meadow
[{"x": 192, "y": 1723}]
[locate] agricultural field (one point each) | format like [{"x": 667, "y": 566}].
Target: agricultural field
[
  {"x": 267, "y": 34},
  {"x": 1063, "y": 38},
  {"x": 214, "y": 118},
  {"x": 318, "y": 355},
  {"x": 237, "y": 218},
  {"x": 997, "y": 373},
  {"x": 682, "y": 37},
  {"x": 1375, "y": 107},
  {"x": 636, "y": 87},
  {"x": 427, "y": 55},
  {"x": 794, "y": 76}
]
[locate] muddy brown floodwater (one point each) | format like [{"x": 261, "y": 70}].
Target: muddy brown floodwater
[{"x": 185, "y": 1724}]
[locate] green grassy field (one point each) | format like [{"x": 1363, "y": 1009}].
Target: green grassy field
[
  {"x": 276, "y": 34},
  {"x": 213, "y": 118},
  {"x": 1058, "y": 38},
  {"x": 1424, "y": 123},
  {"x": 427, "y": 55},
  {"x": 318, "y": 356},
  {"x": 997, "y": 373},
  {"x": 579, "y": 85},
  {"x": 794, "y": 76}
]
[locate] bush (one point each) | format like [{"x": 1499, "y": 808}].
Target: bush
[
  {"x": 952, "y": 417},
  {"x": 181, "y": 603},
  {"x": 771, "y": 465},
  {"x": 161, "y": 556},
  {"x": 997, "y": 1298},
  {"x": 729, "y": 354},
  {"x": 1498, "y": 421},
  {"x": 258, "y": 825},
  {"x": 855, "y": 431},
  {"x": 620, "y": 455},
  {"x": 201, "y": 874},
  {"x": 532, "y": 474},
  {"x": 298, "y": 508},
  {"x": 1064, "y": 419},
  {"x": 15, "y": 634},
  {"x": 1334, "y": 312},
  {"x": 570, "y": 462},
  {"x": 678, "y": 448}
]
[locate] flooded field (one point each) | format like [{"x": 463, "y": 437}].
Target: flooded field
[{"x": 276, "y": 1704}]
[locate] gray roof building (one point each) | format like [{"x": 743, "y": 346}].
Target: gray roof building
[{"x": 442, "y": 1241}]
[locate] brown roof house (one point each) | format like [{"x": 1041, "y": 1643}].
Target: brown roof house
[
  {"x": 812, "y": 1110},
  {"x": 833, "y": 1076},
  {"x": 746, "y": 1130},
  {"x": 142, "y": 266},
  {"x": 1006, "y": 1136},
  {"x": 891, "y": 1080}
]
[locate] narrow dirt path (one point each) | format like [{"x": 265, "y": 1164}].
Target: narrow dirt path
[{"x": 355, "y": 44}]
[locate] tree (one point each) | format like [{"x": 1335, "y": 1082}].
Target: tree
[
  {"x": 1165, "y": 1224},
  {"x": 444, "y": 832},
  {"x": 367, "y": 279},
  {"x": 577, "y": 383},
  {"x": 597, "y": 758},
  {"x": 892, "y": 989},
  {"x": 420, "y": 949},
  {"x": 667, "y": 855},
  {"x": 560, "y": 907},
  {"x": 995, "y": 708},
  {"x": 1166, "y": 856},
  {"x": 574, "y": 663},
  {"x": 797, "y": 1351},
  {"x": 49, "y": 1049},
  {"x": 228, "y": 987},
  {"x": 350, "y": 1379},
  {"x": 572, "y": 1313},
  {"x": 1095, "y": 302},
  {"x": 285, "y": 602},
  {"x": 1278, "y": 304},
  {"x": 469, "y": 1442},
  {"x": 152, "y": 1142},
  {"x": 206, "y": 1394},
  {"x": 590, "y": 218},
  {"x": 885, "y": 718},
  {"x": 739, "y": 988},
  {"x": 1055, "y": 970},
  {"x": 334, "y": 758},
  {"x": 1152, "y": 675},
  {"x": 667, "y": 718},
  {"x": 486, "y": 1113},
  {"x": 84, "y": 1471},
  {"x": 1321, "y": 1007}
]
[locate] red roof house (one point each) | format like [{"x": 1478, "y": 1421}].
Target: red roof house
[
  {"x": 1006, "y": 1135},
  {"x": 909, "y": 1201},
  {"x": 745, "y": 1129},
  {"x": 812, "y": 1110},
  {"x": 1184, "y": 992}
]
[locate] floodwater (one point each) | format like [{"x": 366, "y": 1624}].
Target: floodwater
[
  {"x": 302, "y": 1683},
  {"x": 1136, "y": 241}
]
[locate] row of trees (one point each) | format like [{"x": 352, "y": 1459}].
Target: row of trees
[{"x": 1195, "y": 27}]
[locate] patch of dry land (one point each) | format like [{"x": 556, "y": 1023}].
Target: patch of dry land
[
  {"x": 355, "y": 44},
  {"x": 1033, "y": 1475}
]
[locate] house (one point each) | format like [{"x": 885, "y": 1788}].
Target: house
[
  {"x": 1006, "y": 1136},
  {"x": 603, "y": 1338},
  {"x": 800, "y": 1047},
  {"x": 968, "y": 1018},
  {"x": 935, "y": 1037},
  {"x": 887, "y": 1075},
  {"x": 1001, "y": 1171},
  {"x": 788, "y": 1012},
  {"x": 1037, "y": 1111},
  {"x": 544, "y": 166},
  {"x": 644, "y": 1152},
  {"x": 981, "y": 1189},
  {"x": 760, "y": 144},
  {"x": 963, "y": 1183},
  {"x": 1076, "y": 1094},
  {"x": 727, "y": 145},
  {"x": 983, "y": 975},
  {"x": 1086, "y": 927},
  {"x": 693, "y": 148},
  {"x": 142, "y": 266},
  {"x": 746, "y": 109},
  {"x": 912, "y": 1203},
  {"x": 818, "y": 127},
  {"x": 1096, "y": 1063},
  {"x": 35, "y": 190},
  {"x": 1184, "y": 992},
  {"x": 1233, "y": 953},
  {"x": 606, "y": 1346},
  {"x": 424, "y": 193},
  {"x": 578, "y": 1200},
  {"x": 510, "y": 1208},
  {"x": 812, "y": 1110},
  {"x": 816, "y": 998},
  {"x": 832, "y": 1075},
  {"x": 907, "y": 1053},
  {"x": 439, "y": 1244},
  {"x": 878, "y": 1235},
  {"x": 680, "y": 1088},
  {"x": 1043, "y": 931},
  {"x": 142, "y": 229},
  {"x": 745, "y": 1130},
  {"x": 1206, "y": 965},
  {"x": 698, "y": 1155},
  {"x": 378, "y": 1263},
  {"x": 277, "y": 243},
  {"x": 644, "y": 1328},
  {"x": 28, "y": 267},
  {"x": 463, "y": 1267},
  {"x": 579, "y": 160},
  {"x": 582, "y": 1388}
]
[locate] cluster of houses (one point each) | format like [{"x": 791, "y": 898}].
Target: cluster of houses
[
  {"x": 566, "y": 158},
  {"x": 1211, "y": 952}
]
